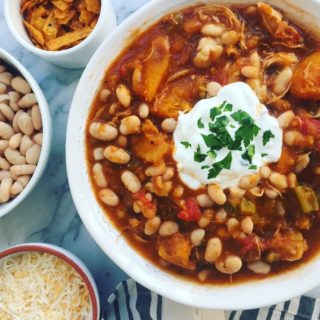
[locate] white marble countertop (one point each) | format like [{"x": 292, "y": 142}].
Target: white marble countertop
[{"x": 48, "y": 214}]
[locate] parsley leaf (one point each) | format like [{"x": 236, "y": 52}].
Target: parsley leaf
[
  {"x": 228, "y": 107},
  {"x": 242, "y": 117},
  {"x": 198, "y": 156},
  {"x": 205, "y": 167},
  {"x": 200, "y": 124},
  {"x": 212, "y": 154},
  {"x": 249, "y": 153},
  {"x": 236, "y": 145},
  {"x": 212, "y": 141},
  {"x": 264, "y": 154},
  {"x": 216, "y": 111},
  {"x": 267, "y": 135},
  {"x": 247, "y": 133},
  {"x": 186, "y": 144},
  {"x": 220, "y": 165},
  {"x": 253, "y": 167}
]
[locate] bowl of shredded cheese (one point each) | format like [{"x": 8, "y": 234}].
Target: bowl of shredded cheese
[{"x": 42, "y": 281}]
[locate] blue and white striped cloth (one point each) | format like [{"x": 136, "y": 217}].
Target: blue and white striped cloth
[{"x": 131, "y": 301}]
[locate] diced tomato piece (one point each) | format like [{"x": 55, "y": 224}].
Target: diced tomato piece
[
  {"x": 123, "y": 70},
  {"x": 191, "y": 212},
  {"x": 148, "y": 208},
  {"x": 310, "y": 127}
]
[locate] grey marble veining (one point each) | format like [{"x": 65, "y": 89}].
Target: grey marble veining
[{"x": 48, "y": 214}]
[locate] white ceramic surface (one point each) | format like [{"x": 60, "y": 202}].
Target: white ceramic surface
[
  {"x": 241, "y": 296},
  {"x": 46, "y": 124},
  {"x": 67, "y": 256},
  {"x": 75, "y": 57}
]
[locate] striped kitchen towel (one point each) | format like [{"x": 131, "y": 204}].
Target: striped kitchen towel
[{"x": 131, "y": 301}]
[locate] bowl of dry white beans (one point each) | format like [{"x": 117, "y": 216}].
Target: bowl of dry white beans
[{"x": 25, "y": 132}]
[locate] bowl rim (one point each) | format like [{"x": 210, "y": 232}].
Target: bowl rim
[
  {"x": 150, "y": 11},
  {"x": 67, "y": 257},
  {"x": 58, "y": 53},
  {"x": 46, "y": 131}
]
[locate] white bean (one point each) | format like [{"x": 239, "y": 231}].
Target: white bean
[
  {"x": 230, "y": 264},
  {"x": 278, "y": 180},
  {"x": 103, "y": 131},
  {"x": 5, "y": 78},
  {"x": 15, "y": 141},
  {"x": 213, "y": 88},
  {"x": 25, "y": 144},
  {"x": 130, "y": 125},
  {"x": 14, "y": 98},
  {"x": 21, "y": 85},
  {"x": 213, "y": 249},
  {"x": 3, "y": 145},
  {"x": 236, "y": 192},
  {"x": 143, "y": 111},
  {"x": 156, "y": 170},
  {"x": 216, "y": 193},
  {"x": 38, "y": 138},
  {"x": 249, "y": 181},
  {"x": 6, "y": 131},
  {"x": 285, "y": 119},
  {"x": 6, "y": 111},
  {"x": 265, "y": 172},
  {"x": 105, "y": 95},
  {"x": 116, "y": 155},
  {"x": 259, "y": 267},
  {"x": 36, "y": 117},
  {"x": 169, "y": 125},
  {"x": 204, "y": 201},
  {"x": 221, "y": 216},
  {"x": 197, "y": 236},
  {"x": 4, "y": 98},
  {"x": 247, "y": 225},
  {"x": 22, "y": 169},
  {"x": 33, "y": 154},
  {"x": 4, "y": 164},
  {"x": 152, "y": 225},
  {"x": 4, "y": 174},
  {"x": 168, "y": 174},
  {"x": 98, "y": 154},
  {"x": 131, "y": 181},
  {"x": 24, "y": 123},
  {"x": 3, "y": 88},
  {"x": 27, "y": 101},
  {"x": 168, "y": 228},
  {"x": 5, "y": 187},
  {"x": 24, "y": 180},
  {"x": 123, "y": 95},
  {"x": 99, "y": 176},
  {"x": 109, "y": 197},
  {"x": 250, "y": 72},
  {"x": 122, "y": 141},
  {"x": 14, "y": 156},
  {"x": 15, "y": 121},
  {"x": 232, "y": 225},
  {"x": 282, "y": 81},
  {"x": 16, "y": 188},
  {"x": 230, "y": 37},
  {"x": 212, "y": 30}
]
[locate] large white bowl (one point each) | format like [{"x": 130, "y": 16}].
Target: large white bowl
[{"x": 240, "y": 296}]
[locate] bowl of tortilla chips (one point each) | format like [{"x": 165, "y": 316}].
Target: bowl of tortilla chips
[{"x": 63, "y": 32}]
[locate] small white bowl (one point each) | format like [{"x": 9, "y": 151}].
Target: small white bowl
[
  {"x": 72, "y": 58},
  {"x": 46, "y": 127},
  {"x": 69, "y": 258}
]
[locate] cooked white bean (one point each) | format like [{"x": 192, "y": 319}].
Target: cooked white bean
[
  {"x": 4, "y": 164},
  {"x": 259, "y": 267},
  {"x": 116, "y": 155},
  {"x": 250, "y": 72},
  {"x": 33, "y": 154},
  {"x": 123, "y": 95},
  {"x": 247, "y": 225},
  {"x": 168, "y": 174},
  {"x": 131, "y": 181},
  {"x": 255, "y": 59},
  {"x": 212, "y": 30},
  {"x": 204, "y": 201},
  {"x": 285, "y": 119},
  {"x": 168, "y": 228},
  {"x": 130, "y": 125},
  {"x": 112, "y": 109},
  {"x": 213, "y": 249},
  {"x": 290, "y": 137},
  {"x": 38, "y": 138},
  {"x": 230, "y": 37},
  {"x": 197, "y": 236},
  {"x": 152, "y": 225},
  {"x": 25, "y": 144},
  {"x": 5, "y": 78},
  {"x": 15, "y": 141},
  {"x": 98, "y": 154},
  {"x": 230, "y": 264},
  {"x": 221, "y": 216},
  {"x": 24, "y": 180},
  {"x": 3, "y": 88},
  {"x": 169, "y": 125},
  {"x": 270, "y": 193},
  {"x": 27, "y": 101},
  {"x": 216, "y": 193},
  {"x": 292, "y": 180},
  {"x": 99, "y": 176},
  {"x": 104, "y": 95},
  {"x": 4, "y": 174},
  {"x": 24, "y": 123},
  {"x": 265, "y": 172},
  {"x": 236, "y": 193},
  {"x": 213, "y": 88},
  {"x": 278, "y": 180},
  {"x": 281, "y": 211},
  {"x": 6, "y": 111},
  {"x": 6, "y": 131},
  {"x": 36, "y": 117},
  {"x": 204, "y": 274},
  {"x": 16, "y": 188},
  {"x": 282, "y": 81},
  {"x": 109, "y": 197},
  {"x": 232, "y": 225},
  {"x": 14, "y": 156},
  {"x": 303, "y": 161},
  {"x": 5, "y": 187},
  {"x": 103, "y": 131},
  {"x": 21, "y": 85},
  {"x": 249, "y": 181},
  {"x": 22, "y": 169},
  {"x": 155, "y": 170},
  {"x": 3, "y": 145},
  {"x": 143, "y": 111}
]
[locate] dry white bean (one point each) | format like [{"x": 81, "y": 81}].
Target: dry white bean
[
  {"x": 131, "y": 181},
  {"x": 3, "y": 88},
  {"x": 38, "y": 138},
  {"x": 15, "y": 121},
  {"x": 27, "y": 101},
  {"x": 5, "y": 78},
  {"x": 5, "y": 187},
  {"x": 24, "y": 180},
  {"x": 282, "y": 81},
  {"x": 3, "y": 145},
  {"x": 109, "y": 197},
  {"x": 249, "y": 181},
  {"x": 33, "y": 154},
  {"x": 168, "y": 228},
  {"x": 278, "y": 180},
  {"x": 216, "y": 193},
  {"x": 99, "y": 176},
  {"x": 103, "y": 131},
  {"x": 143, "y": 111},
  {"x": 21, "y": 85},
  {"x": 116, "y": 155},
  {"x": 213, "y": 249},
  {"x": 285, "y": 119},
  {"x": 212, "y": 30},
  {"x": 155, "y": 170},
  {"x": 230, "y": 264},
  {"x": 104, "y": 95},
  {"x": 213, "y": 88},
  {"x": 98, "y": 154},
  {"x": 247, "y": 225},
  {"x": 4, "y": 164},
  {"x": 14, "y": 156},
  {"x": 259, "y": 267},
  {"x": 169, "y": 125},
  {"x": 168, "y": 174},
  {"x": 6, "y": 111},
  {"x": 24, "y": 123},
  {"x": 22, "y": 169},
  {"x": 4, "y": 174},
  {"x": 130, "y": 125},
  {"x": 4, "y": 98},
  {"x": 25, "y": 144},
  {"x": 14, "y": 98},
  {"x": 15, "y": 141},
  {"x": 197, "y": 236},
  {"x": 152, "y": 226},
  {"x": 2, "y": 68},
  {"x": 36, "y": 117},
  {"x": 6, "y": 131},
  {"x": 204, "y": 201},
  {"x": 16, "y": 188},
  {"x": 123, "y": 95}
]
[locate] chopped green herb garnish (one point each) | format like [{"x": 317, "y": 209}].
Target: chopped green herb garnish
[
  {"x": 232, "y": 125},
  {"x": 228, "y": 107},
  {"x": 200, "y": 124},
  {"x": 216, "y": 111},
  {"x": 236, "y": 145},
  {"x": 242, "y": 117},
  {"x": 198, "y": 156},
  {"x": 247, "y": 133},
  {"x": 249, "y": 153},
  {"x": 267, "y": 135},
  {"x": 264, "y": 154},
  {"x": 212, "y": 154},
  {"x": 253, "y": 167},
  {"x": 186, "y": 144},
  {"x": 217, "y": 167},
  {"x": 212, "y": 141},
  {"x": 205, "y": 167}
]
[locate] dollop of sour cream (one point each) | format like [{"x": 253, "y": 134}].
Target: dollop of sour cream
[{"x": 225, "y": 137}]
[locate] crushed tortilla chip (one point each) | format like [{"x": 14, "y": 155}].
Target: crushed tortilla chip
[{"x": 59, "y": 24}]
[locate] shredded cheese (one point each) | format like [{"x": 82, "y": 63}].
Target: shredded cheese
[{"x": 38, "y": 286}]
